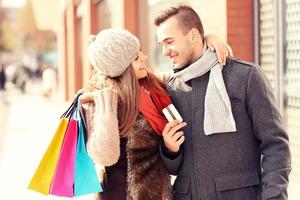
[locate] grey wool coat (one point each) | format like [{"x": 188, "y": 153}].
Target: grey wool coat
[{"x": 252, "y": 163}]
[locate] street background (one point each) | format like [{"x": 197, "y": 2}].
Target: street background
[{"x": 43, "y": 63}]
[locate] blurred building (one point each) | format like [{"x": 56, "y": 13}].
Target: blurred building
[
  {"x": 263, "y": 31},
  {"x": 28, "y": 33},
  {"x": 46, "y": 17}
]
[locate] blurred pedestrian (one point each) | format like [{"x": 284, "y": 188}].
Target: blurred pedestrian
[
  {"x": 20, "y": 78},
  {"x": 49, "y": 78},
  {"x": 2, "y": 76}
]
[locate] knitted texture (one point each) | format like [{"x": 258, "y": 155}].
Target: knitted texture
[
  {"x": 112, "y": 51},
  {"x": 218, "y": 117},
  {"x": 103, "y": 142}
]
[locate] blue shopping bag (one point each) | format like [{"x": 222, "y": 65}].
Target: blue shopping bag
[{"x": 86, "y": 180}]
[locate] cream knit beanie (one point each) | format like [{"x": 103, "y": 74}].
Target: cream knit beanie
[{"x": 112, "y": 50}]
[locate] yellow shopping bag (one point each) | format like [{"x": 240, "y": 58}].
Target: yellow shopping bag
[{"x": 42, "y": 178}]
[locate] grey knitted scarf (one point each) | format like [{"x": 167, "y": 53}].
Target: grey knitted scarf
[{"x": 218, "y": 117}]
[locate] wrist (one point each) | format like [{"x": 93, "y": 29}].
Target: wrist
[{"x": 168, "y": 153}]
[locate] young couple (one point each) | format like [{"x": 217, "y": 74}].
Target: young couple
[{"x": 231, "y": 145}]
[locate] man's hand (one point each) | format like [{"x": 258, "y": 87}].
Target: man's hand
[{"x": 172, "y": 137}]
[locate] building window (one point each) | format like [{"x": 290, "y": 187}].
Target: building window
[{"x": 267, "y": 39}]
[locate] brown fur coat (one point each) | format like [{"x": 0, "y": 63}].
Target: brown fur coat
[{"x": 147, "y": 179}]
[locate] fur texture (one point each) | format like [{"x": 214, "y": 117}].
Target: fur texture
[{"x": 147, "y": 178}]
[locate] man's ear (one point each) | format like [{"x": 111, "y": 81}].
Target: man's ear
[{"x": 195, "y": 35}]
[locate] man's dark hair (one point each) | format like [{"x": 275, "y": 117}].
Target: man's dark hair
[{"x": 187, "y": 18}]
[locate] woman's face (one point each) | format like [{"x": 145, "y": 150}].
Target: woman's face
[{"x": 139, "y": 65}]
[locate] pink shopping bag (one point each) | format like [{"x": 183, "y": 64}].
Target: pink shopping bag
[{"x": 63, "y": 180}]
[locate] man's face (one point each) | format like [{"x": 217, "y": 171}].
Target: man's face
[{"x": 176, "y": 44}]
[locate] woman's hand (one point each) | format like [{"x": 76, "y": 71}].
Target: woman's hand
[
  {"x": 87, "y": 97},
  {"x": 214, "y": 43}
]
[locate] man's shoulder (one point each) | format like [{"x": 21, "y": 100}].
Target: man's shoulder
[
  {"x": 237, "y": 69},
  {"x": 238, "y": 66},
  {"x": 241, "y": 63}
]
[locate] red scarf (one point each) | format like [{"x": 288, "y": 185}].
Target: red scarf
[{"x": 151, "y": 106}]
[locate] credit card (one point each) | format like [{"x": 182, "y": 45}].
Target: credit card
[{"x": 171, "y": 113}]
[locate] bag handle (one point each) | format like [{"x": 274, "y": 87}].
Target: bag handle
[
  {"x": 72, "y": 108},
  {"x": 76, "y": 114}
]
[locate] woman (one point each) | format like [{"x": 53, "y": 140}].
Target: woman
[{"x": 123, "y": 105}]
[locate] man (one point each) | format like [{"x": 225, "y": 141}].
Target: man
[{"x": 233, "y": 145}]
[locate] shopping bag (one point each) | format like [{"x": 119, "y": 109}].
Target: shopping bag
[
  {"x": 63, "y": 180},
  {"x": 86, "y": 180},
  {"x": 42, "y": 178}
]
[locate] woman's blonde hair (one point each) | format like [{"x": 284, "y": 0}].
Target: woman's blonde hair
[{"x": 127, "y": 88}]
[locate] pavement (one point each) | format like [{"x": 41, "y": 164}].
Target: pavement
[{"x": 27, "y": 124}]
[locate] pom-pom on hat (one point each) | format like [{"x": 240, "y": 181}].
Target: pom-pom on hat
[{"x": 112, "y": 50}]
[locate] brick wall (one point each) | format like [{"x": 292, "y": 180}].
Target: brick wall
[{"x": 240, "y": 28}]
